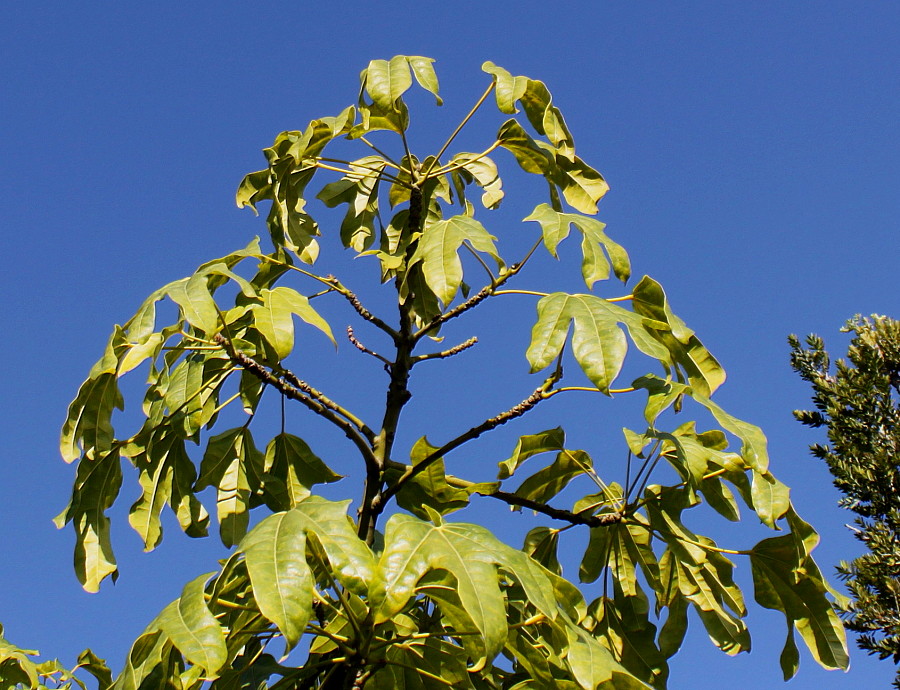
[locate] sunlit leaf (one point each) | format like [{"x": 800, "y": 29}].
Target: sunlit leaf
[{"x": 190, "y": 625}]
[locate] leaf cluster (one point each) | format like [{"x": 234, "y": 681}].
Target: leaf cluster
[{"x": 424, "y": 601}]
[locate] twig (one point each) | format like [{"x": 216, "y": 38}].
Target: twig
[
  {"x": 459, "y": 127},
  {"x": 477, "y": 298},
  {"x": 455, "y": 350},
  {"x": 362, "y": 348},
  {"x": 351, "y": 297}
]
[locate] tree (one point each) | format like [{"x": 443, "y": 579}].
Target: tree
[
  {"x": 859, "y": 406},
  {"x": 401, "y": 594}
]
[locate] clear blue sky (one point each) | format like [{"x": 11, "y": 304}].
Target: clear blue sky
[{"x": 752, "y": 150}]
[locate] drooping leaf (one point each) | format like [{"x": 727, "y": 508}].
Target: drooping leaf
[
  {"x": 704, "y": 373},
  {"x": 292, "y": 469},
  {"x": 275, "y": 552},
  {"x": 423, "y": 71},
  {"x": 786, "y": 579},
  {"x": 97, "y": 485},
  {"x": 191, "y": 627},
  {"x": 508, "y": 89}
]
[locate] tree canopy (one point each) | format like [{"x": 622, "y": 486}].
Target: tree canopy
[
  {"x": 399, "y": 592},
  {"x": 858, "y": 403}
]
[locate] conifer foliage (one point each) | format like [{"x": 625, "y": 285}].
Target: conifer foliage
[{"x": 858, "y": 402}]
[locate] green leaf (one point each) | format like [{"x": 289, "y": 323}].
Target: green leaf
[
  {"x": 548, "y": 482},
  {"x": 352, "y": 562},
  {"x": 274, "y": 318},
  {"x": 484, "y": 172},
  {"x": 529, "y": 445},
  {"x": 387, "y": 81},
  {"x": 294, "y": 470},
  {"x": 542, "y": 544},
  {"x": 531, "y": 156},
  {"x": 423, "y": 71},
  {"x": 438, "y": 252},
  {"x": 591, "y": 662},
  {"x": 88, "y": 423},
  {"x": 470, "y": 554},
  {"x": 598, "y": 343},
  {"x": 581, "y": 185},
  {"x": 703, "y": 371},
  {"x": 275, "y": 552},
  {"x": 97, "y": 485},
  {"x": 508, "y": 89},
  {"x": 197, "y": 305},
  {"x": 786, "y": 579},
  {"x": 430, "y": 487},
  {"x": 771, "y": 498},
  {"x": 166, "y": 474},
  {"x": 229, "y": 459},
  {"x": 555, "y": 228},
  {"x": 191, "y": 627}
]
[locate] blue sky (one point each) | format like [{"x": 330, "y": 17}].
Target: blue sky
[{"x": 752, "y": 151}]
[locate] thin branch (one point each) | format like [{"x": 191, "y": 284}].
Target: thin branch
[
  {"x": 390, "y": 161},
  {"x": 411, "y": 473},
  {"x": 588, "y": 389},
  {"x": 455, "y": 350},
  {"x": 482, "y": 262},
  {"x": 379, "y": 172},
  {"x": 522, "y": 292},
  {"x": 317, "y": 403},
  {"x": 320, "y": 397},
  {"x": 476, "y": 299},
  {"x": 459, "y": 127},
  {"x": 556, "y": 513},
  {"x": 351, "y": 297},
  {"x": 362, "y": 348},
  {"x": 453, "y": 167}
]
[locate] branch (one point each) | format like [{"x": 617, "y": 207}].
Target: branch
[
  {"x": 477, "y": 298},
  {"x": 539, "y": 394},
  {"x": 303, "y": 393},
  {"x": 556, "y": 513},
  {"x": 362, "y": 348},
  {"x": 582, "y": 518},
  {"x": 455, "y": 350},
  {"x": 351, "y": 297}
]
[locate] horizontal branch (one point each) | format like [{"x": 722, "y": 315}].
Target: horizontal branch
[
  {"x": 557, "y": 513},
  {"x": 573, "y": 518},
  {"x": 313, "y": 400},
  {"x": 455, "y": 350}
]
